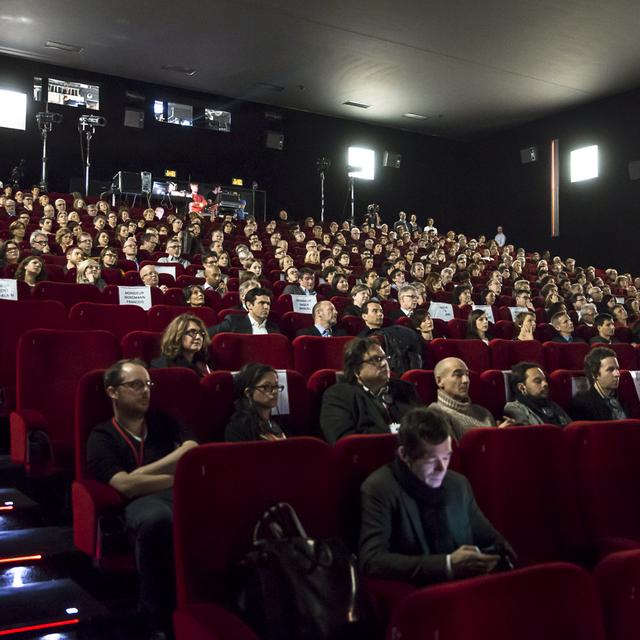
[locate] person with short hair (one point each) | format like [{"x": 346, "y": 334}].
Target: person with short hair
[
  {"x": 174, "y": 250},
  {"x": 258, "y": 388},
  {"x": 526, "y": 325},
  {"x": 88, "y": 272},
  {"x": 39, "y": 243},
  {"x": 151, "y": 278},
  {"x": 194, "y": 295},
  {"x": 461, "y": 295},
  {"x": 531, "y": 404},
  {"x": 136, "y": 453},
  {"x": 454, "y": 403},
  {"x": 185, "y": 343},
  {"x": 367, "y": 400},
  {"x": 305, "y": 286},
  {"x": 563, "y": 325},
  {"x": 256, "y": 321},
  {"x": 606, "y": 330},
  {"x": 408, "y": 299},
  {"x": 325, "y": 317},
  {"x": 419, "y": 520},
  {"x": 588, "y": 314},
  {"x": 600, "y": 401},
  {"x": 360, "y": 294},
  {"x": 422, "y": 322}
]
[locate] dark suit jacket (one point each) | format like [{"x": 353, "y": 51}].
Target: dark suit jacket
[
  {"x": 590, "y": 405},
  {"x": 237, "y": 323},
  {"x": 395, "y": 314},
  {"x": 392, "y": 541},
  {"x": 598, "y": 340},
  {"x": 561, "y": 340},
  {"x": 313, "y": 331},
  {"x": 348, "y": 409},
  {"x": 295, "y": 290}
]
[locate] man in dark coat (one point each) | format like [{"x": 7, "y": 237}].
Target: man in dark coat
[{"x": 256, "y": 321}]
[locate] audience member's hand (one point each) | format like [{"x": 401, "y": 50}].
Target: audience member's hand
[
  {"x": 163, "y": 288},
  {"x": 467, "y": 561},
  {"x": 506, "y": 422}
]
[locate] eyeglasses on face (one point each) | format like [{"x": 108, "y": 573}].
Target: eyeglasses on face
[
  {"x": 376, "y": 360},
  {"x": 270, "y": 388},
  {"x": 194, "y": 333},
  {"x": 137, "y": 385}
]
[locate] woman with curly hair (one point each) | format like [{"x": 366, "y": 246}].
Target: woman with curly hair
[
  {"x": 31, "y": 270},
  {"x": 258, "y": 389},
  {"x": 184, "y": 343},
  {"x": 88, "y": 272}
]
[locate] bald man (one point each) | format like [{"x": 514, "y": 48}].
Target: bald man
[
  {"x": 325, "y": 317},
  {"x": 452, "y": 380}
]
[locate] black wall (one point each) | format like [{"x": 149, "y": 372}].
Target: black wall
[
  {"x": 426, "y": 183},
  {"x": 599, "y": 219}
]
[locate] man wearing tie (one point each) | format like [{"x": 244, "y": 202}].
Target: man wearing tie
[
  {"x": 325, "y": 316},
  {"x": 306, "y": 283}
]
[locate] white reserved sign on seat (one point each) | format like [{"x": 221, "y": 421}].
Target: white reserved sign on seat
[
  {"x": 303, "y": 304},
  {"x": 487, "y": 310},
  {"x": 516, "y": 310},
  {"x": 8, "y": 289},
  {"x": 166, "y": 268},
  {"x": 441, "y": 311},
  {"x": 139, "y": 296}
]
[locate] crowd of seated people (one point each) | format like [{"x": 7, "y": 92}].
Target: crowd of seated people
[{"x": 375, "y": 283}]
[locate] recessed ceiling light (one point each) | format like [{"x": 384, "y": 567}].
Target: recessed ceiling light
[
  {"x": 360, "y": 105},
  {"x": 415, "y": 116},
  {"x": 187, "y": 71},
  {"x": 63, "y": 46}
]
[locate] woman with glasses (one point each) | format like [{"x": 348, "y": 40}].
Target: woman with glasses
[
  {"x": 368, "y": 400},
  {"x": 88, "y": 272},
  {"x": 184, "y": 343},
  {"x": 109, "y": 258},
  {"x": 9, "y": 253},
  {"x": 31, "y": 270},
  {"x": 259, "y": 390}
]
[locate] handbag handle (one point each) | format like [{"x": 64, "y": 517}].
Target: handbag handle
[{"x": 272, "y": 518}]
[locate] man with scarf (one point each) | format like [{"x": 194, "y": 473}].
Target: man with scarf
[
  {"x": 532, "y": 404},
  {"x": 454, "y": 404},
  {"x": 420, "y": 522}
]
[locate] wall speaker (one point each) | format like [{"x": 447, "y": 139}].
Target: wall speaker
[
  {"x": 530, "y": 154},
  {"x": 134, "y": 118},
  {"x": 391, "y": 159},
  {"x": 275, "y": 140},
  {"x": 634, "y": 170}
]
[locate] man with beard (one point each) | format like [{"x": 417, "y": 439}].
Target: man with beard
[{"x": 532, "y": 404}]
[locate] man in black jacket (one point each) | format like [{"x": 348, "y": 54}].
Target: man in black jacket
[
  {"x": 420, "y": 522},
  {"x": 368, "y": 401},
  {"x": 325, "y": 316},
  {"x": 600, "y": 402},
  {"x": 256, "y": 321}
]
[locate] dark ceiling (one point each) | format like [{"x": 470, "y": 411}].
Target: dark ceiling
[{"x": 470, "y": 67}]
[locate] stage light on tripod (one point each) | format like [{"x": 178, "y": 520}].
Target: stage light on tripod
[{"x": 362, "y": 163}]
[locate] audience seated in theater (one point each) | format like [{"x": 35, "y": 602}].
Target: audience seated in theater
[
  {"x": 478, "y": 326},
  {"x": 184, "y": 343},
  {"x": 419, "y": 521},
  {"x": 136, "y": 453},
  {"x": 305, "y": 286},
  {"x": 461, "y": 295},
  {"x": 85, "y": 242},
  {"x": 359, "y": 295},
  {"x": 150, "y": 278},
  {"x": 256, "y": 321},
  {"x": 381, "y": 289},
  {"x": 174, "y": 250},
  {"x": 194, "y": 295},
  {"x": 88, "y": 272},
  {"x": 213, "y": 278},
  {"x": 367, "y": 400},
  {"x": 606, "y": 330},
  {"x": 454, "y": 404},
  {"x": 339, "y": 285},
  {"x": 600, "y": 401},
  {"x": 408, "y": 299},
  {"x": 31, "y": 270},
  {"x": 422, "y": 322},
  {"x": 325, "y": 317},
  {"x": 258, "y": 390},
  {"x": 9, "y": 253},
  {"x": 130, "y": 250},
  {"x": 563, "y": 325},
  {"x": 588, "y": 314},
  {"x": 531, "y": 404},
  {"x": 39, "y": 243},
  {"x": 620, "y": 316},
  {"x": 525, "y": 325},
  {"x": 108, "y": 258}
]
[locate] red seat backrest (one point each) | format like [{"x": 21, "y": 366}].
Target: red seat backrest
[
  {"x": 118, "y": 319},
  {"x": 68, "y": 294},
  {"x": 564, "y": 356},
  {"x": 311, "y": 353},
  {"x": 506, "y": 353},
  {"x": 160, "y": 315},
  {"x": 230, "y": 351},
  {"x": 474, "y": 353},
  {"x": 144, "y": 345}
]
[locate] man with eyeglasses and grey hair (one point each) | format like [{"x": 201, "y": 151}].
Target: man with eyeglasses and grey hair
[
  {"x": 136, "y": 452},
  {"x": 39, "y": 243},
  {"x": 367, "y": 399}
]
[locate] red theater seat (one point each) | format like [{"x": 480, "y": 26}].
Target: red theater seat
[
  {"x": 118, "y": 319},
  {"x": 311, "y": 353},
  {"x": 555, "y": 601},
  {"x": 564, "y": 356},
  {"x": 563, "y": 384},
  {"x": 18, "y": 317},
  {"x": 605, "y": 456},
  {"x": 627, "y": 355},
  {"x": 230, "y": 351},
  {"x": 144, "y": 345},
  {"x": 521, "y": 477},
  {"x": 291, "y": 322},
  {"x": 506, "y": 353},
  {"x": 425, "y": 383},
  {"x": 46, "y": 394},
  {"x": 299, "y": 471},
  {"x": 159, "y": 316},
  {"x": 474, "y": 353},
  {"x": 68, "y": 294}
]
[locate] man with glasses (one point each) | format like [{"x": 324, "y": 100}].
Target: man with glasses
[
  {"x": 85, "y": 242},
  {"x": 39, "y": 244},
  {"x": 130, "y": 250},
  {"x": 367, "y": 400},
  {"x": 174, "y": 249},
  {"x": 408, "y": 299},
  {"x": 136, "y": 453}
]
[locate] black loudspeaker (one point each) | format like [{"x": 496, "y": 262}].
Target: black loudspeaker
[
  {"x": 134, "y": 118},
  {"x": 146, "y": 181},
  {"x": 530, "y": 154},
  {"x": 391, "y": 159},
  {"x": 275, "y": 140},
  {"x": 634, "y": 170}
]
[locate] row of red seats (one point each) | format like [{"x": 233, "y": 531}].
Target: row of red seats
[{"x": 536, "y": 484}]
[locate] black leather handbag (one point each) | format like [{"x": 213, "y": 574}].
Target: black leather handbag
[{"x": 295, "y": 588}]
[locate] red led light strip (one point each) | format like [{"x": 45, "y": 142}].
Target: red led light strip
[
  {"x": 6, "y": 507},
  {"x": 39, "y": 627},
  {"x": 37, "y": 556}
]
